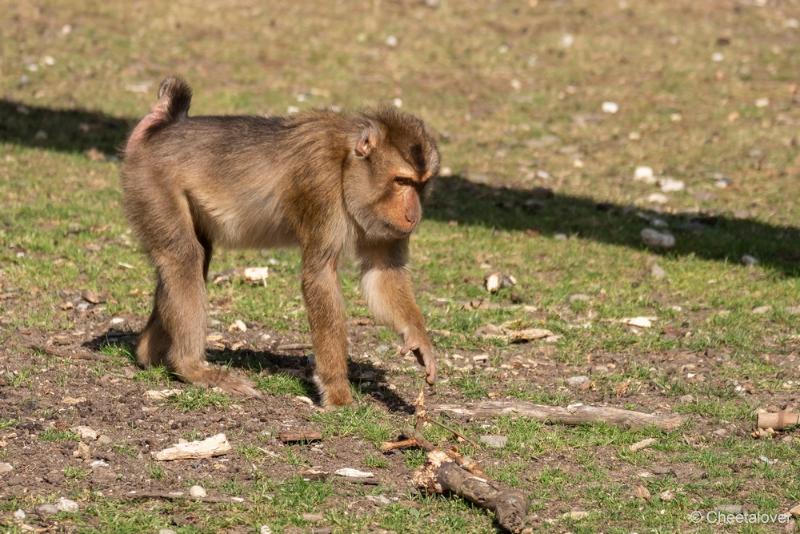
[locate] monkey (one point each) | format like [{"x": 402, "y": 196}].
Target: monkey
[{"x": 334, "y": 184}]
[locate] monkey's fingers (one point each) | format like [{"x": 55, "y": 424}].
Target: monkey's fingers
[
  {"x": 239, "y": 386},
  {"x": 427, "y": 359}
]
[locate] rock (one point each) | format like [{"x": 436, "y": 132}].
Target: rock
[
  {"x": 749, "y": 260},
  {"x": 496, "y": 281},
  {"x": 117, "y": 321},
  {"x": 575, "y": 515},
  {"x": 5, "y": 467},
  {"x": 264, "y": 530},
  {"x": 166, "y": 531},
  {"x": 577, "y": 381},
  {"x": 657, "y": 198},
  {"x": 92, "y": 297},
  {"x": 654, "y": 238},
  {"x": 645, "y": 443},
  {"x": 197, "y": 492},
  {"x": 162, "y": 394},
  {"x": 669, "y": 185},
  {"x": 86, "y": 433},
  {"x": 82, "y": 451},
  {"x": 98, "y": 463},
  {"x": 657, "y": 272},
  {"x": 641, "y": 492},
  {"x": 237, "y": 326},
  {"x": 257, "y": 275},
  {"x": 761, "y": 310},
  {"x": 767, "y": 461},
  {"x": 644, "y": 174},
  {"x": 481, "y": 360},
  {"x": 559, "y": 236},
  {"x": 349, "y": 472},
  {"x": 391, "y": 40},
  {"x": 313, "y": 517},
  {"x": 639, "y": 322},
  {"x": 762, "y": 102},
  {"x": 793, "y": 310},
  {"x": 795, "y": 510},
  {"x": 610, "y": 107},
  {"x": 20, "y": 515},
  {"x": 66, "y": 505},
  {"x": 46, "y": 509},
  {"x": 104, "y": 440},
  {"x": 494, "y": 441},
  {"x": 666, "y": 495},
  {"x": 73, "y": 400},
  {"x": 378, "y": 499},
  {"x": 686, "y": 398}
]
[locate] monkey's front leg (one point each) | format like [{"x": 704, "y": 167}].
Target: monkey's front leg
[
  {"x": 386, "y": 286},
  {"x": 326, "y": 316}
]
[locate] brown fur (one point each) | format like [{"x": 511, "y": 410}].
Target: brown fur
[{"x": 323, "y": 181}]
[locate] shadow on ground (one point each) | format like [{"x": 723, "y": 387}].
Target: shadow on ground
[
  {"x": 365, "y": 377},
  {"x": 711, "y": 237}
]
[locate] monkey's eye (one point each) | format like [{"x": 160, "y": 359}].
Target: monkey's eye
[{"x": 404, "y": 181}]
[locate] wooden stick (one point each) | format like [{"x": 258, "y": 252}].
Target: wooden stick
[
  {"x": 206, "y": 448},
  {"x": 292, "y": 346},
  {"x": 778, "y": 420},
  {"x": 574, "y": 414},
  {"x": 289, "y": 436},
  {"x": 440, "y": 474}
]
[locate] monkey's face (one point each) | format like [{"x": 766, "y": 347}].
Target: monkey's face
[{"x": 389, "y": 176}]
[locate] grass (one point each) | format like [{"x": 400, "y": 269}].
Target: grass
[{"x": 515, "y": 109}]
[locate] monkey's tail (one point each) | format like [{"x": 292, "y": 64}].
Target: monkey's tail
[{"x": 174, "y": 99}]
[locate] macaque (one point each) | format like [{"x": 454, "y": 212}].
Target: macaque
[{"x": 330, "y": 183}]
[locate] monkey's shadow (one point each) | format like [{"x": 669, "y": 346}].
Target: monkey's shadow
[{"x": 366, "y": 378}]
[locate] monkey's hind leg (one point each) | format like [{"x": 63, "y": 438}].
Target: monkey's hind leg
[
  {"x": 154, "y": 341},
  {"x": 181, "y": 304}
]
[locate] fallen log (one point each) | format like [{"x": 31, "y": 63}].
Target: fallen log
[
  {"x": 574, "y": 414},
  {"x": 441, "y": 474},
  {"x": 778, "y": 420}
]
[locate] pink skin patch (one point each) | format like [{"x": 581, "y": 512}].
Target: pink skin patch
[{"x": 157, "y": 114}]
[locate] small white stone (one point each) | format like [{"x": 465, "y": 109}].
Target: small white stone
[
  {"x": 197, "y": 492},
  {"x": 749, "y": 260},
  {"x": 516, "y": 84},
  {"x": 716, "y": 57},
  {"x": 391, "y": 40},
  {"x": 66, "y": 505},
  {"x": 292, "y": 109},
  {"x": 567, "y": 40},
  {"x": 19, "y": 515},
  {"x": 792, "y": 24},
  {"x": 349, "y": 472},
  {"x": 669, "y": 185},
  {"x": 166, "y": 531},
  {"x": 98, "y": 463},
  {"x": 494, "y": 441},
  {"x": 610, "y": 107},
  {"x": 265, "y": 529},
  {"x": 85, "y": 432},
  {"x": 5, "y": 467},
  {"x": 644, "y": 174},
  {"x": 238, "y": 325},
  {"x": 66, "y": 29},
  {"x": 761, "y": 310},
  {"x": 117, "y": 321},
  {"x": 397, "y": 102},
  {"x": 762, "y": 102},
  {"x": 639, "y": 322},
  {"x": 577, "y": 381}
]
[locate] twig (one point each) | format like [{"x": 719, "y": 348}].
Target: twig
[
  {"x": 289, "y": 436},
  {"x": 293, "y": 346}
]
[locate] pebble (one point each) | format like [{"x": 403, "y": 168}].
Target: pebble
[
  {"x": 657, "y": 272},
  {"x": 117, "y": 321},
  {"x": 644, "y": 174},
  {"x": 730, "y": 508},
  {"x": 166, "y": 531},
  {"x": 494, "y": 441},
  {"x": 47, "y": 509},
  {"x": 391, "y": 40},
  {"x": 654, "y": 238},
  {"x": 5, "y": 467},
  {"x": 313, "y": 517},
  {"x": 238, "y": 325},
  {"x": 579, "y": 297},
  {"x": 104, "y": 440},
  {"x": 762, "y": 102},
  {"x": 669, "y": 185},
  {"x": 666, "y": 495},
  {"x": 760, "y": 310},
  {"x": 66, "y": 505},
  {"x": 657, "y": 198},
  {"x": 577, "y": 381},
  {"x": 265, "y": 529},
  {"x": 379, "y": 499},
  {"x": 795, "y": 511},
  {"x": 610, "y": 107},
  {"x": 749, "y": 260},
  {"x": 20, "y": 515},
  {"x": 85, "y": 432},
  {"x": 197, "y": 492}
]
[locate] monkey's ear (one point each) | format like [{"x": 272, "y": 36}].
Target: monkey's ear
[{"x": 367, "y": 141}]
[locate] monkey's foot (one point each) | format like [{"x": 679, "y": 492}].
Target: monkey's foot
[
  {"x": 224, "y": 379},
  {"x": 335, "y": 394}
]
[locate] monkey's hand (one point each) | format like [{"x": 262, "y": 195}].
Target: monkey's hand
[{"x": 420, "y": 345}]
